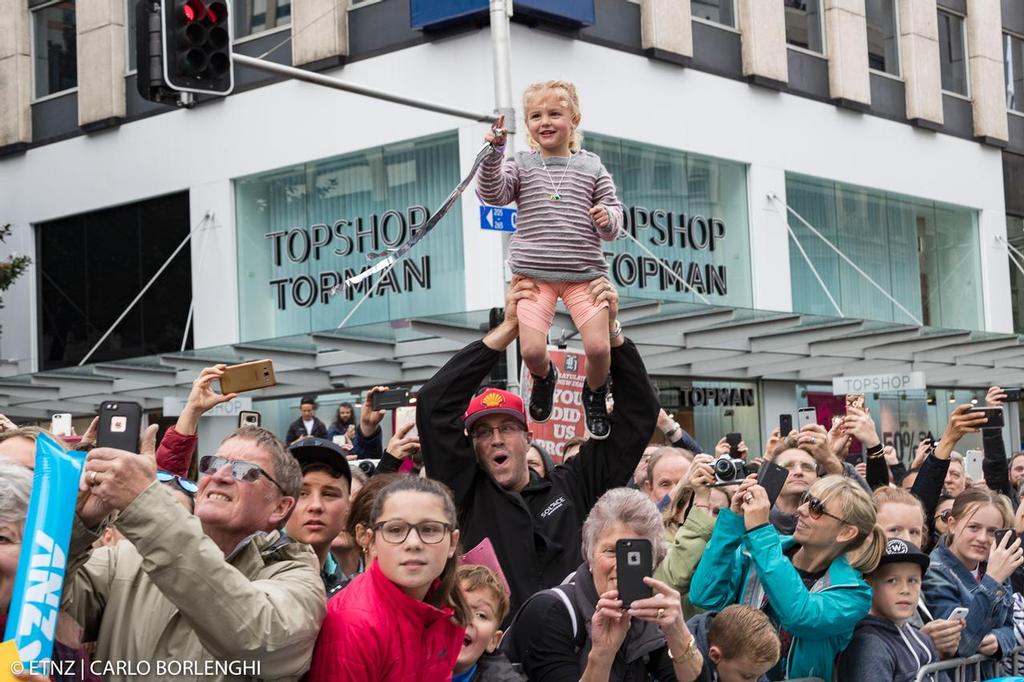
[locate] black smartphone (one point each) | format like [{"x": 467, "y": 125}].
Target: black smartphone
[
  {"x": 249, "y": 418},
  {"x": 120, "y": 424},
  {"x": 1003, "y": 531},
  {"x": 389, "y": 400},
  {"x": 994, "y": 414},
  {"x": 1012, "y": 395},
  {"x": 785, "y": 424},
  {"x": 772, "y": 477},
  {"x": 734, "y": 439},
  {"x": 634, "y": 561}
]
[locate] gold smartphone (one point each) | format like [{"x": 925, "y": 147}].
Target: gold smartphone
[
  {"x": 854, "y": 400},
  {"x": 247, "y": 376}
]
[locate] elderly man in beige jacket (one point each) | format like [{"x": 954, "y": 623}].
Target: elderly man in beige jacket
[{"x": 222, "y": 595}]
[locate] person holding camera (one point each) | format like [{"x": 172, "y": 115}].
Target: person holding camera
[
  {"x": 581, "y": 630},
  {"x": 747, "y": 561}
]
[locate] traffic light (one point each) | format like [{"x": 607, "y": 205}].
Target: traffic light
[{"x": 197, "y": 46}]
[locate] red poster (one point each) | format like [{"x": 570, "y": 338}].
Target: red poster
[{"x": 566, "y": 420}]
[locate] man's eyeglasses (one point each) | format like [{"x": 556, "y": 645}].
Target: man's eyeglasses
[
  {"x": 185, "y": 485},
  {"x": 482, "y": 432},
  {"x": 816, "y": 508},
  {"x": 240, "y": 469},
  {"x": 396, "y": 532}
]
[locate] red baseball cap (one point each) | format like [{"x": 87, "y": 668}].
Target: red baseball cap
[{"x": 494, "y": 401}]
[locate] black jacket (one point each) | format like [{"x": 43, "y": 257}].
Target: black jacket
[
  {"x": 995, "y": 465},
  {"x": 297, "y": 430},
  {"x": 928, "y": 488},
  {"x": 535, "y": 532}
]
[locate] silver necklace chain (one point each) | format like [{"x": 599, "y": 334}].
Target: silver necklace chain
[{"x": 556, "y": 195}]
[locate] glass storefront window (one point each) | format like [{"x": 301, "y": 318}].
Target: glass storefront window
[
  {"x": 718, "y": 11},
  {"x": 709, "y": 409},
  {"x": 256, "y": 16},
  {"x": 304, "y": 230},
  {"x": 925, "y": 254},
  {"x": 688, "y": 210},
  {"x": 1015, "y": 235},
  {"x": 54, "y": 49},
  {"x": 883, "y": 37},
  {"x": 952, "y": 55},
  {"x": 804, "y": 27},
  {"x": 1013, "y": 66}
]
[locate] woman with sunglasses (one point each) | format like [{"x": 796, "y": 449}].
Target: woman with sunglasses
[
  {"x": 809, "y": 584},
  {"x": 404, "y": 618},
  {"x": 973, "y": 570}
]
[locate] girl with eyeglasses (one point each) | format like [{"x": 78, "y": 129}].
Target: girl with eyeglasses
[
  {"x": 809, "y": 584},
  {"x": 404, "y": 618},
  {"x": 973, "y": 570}
]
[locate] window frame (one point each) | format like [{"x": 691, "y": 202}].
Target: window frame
[
  {"x": 963, "y": 38},
  {"x": 128, "y": 70},
  {"x": 701, "y": 20},
  {"x": 821, "y": 26},
  {"x": 899, "y": 46},
  {"x": 359, "y": 4},
  {"x": 1019, "y": 37},
  {"x": 259, "y": 34},
  {"x": 32, "y": 38}
]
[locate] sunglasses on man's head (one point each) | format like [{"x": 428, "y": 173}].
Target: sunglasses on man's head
[
  {"x": 816, "y": 508},
  {"x": 185, "y": 485},
  {"x": 240, "y": 469}
]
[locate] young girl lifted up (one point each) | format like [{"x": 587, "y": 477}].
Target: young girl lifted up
[{"x": 567, "y": 205}]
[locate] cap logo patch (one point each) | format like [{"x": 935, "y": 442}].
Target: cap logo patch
[
  {"x": 897, "y": 547},
  {"x": 493, "y": 400}
]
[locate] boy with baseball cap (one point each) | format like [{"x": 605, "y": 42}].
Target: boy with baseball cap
[
  {"x": 322, "y": 508},
  {"x": 885, "y": 646}
]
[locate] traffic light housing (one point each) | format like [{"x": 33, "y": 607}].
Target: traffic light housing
[{"x": 197, "y": 46}]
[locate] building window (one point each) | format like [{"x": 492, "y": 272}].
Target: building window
[
  {"x": 718, "y": 11},
  {"x": 925, "y": 254},
  {"x": 1013, "y": 60},
  {"x": 804, "y": 26},
  {"x": 883, "y": 37},
  {"x": 690, "y": 211},
  {"x": 257, "y": 16},
  {"x": 92, "y": 265},
  {"x": 130, "y": 22},
  {"x": 54, "y": 46},
  {"x": 349, "y": 206},
  {"x": 1015, "y": 235},
  {"x": 952, "y": 55}
]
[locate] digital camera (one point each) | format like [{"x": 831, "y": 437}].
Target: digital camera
[{"x": 729, "y": 471}]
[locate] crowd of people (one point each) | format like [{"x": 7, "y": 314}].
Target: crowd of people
[
  {"x": 465, "y": 553},
  {"x": 468, "y": 554}
]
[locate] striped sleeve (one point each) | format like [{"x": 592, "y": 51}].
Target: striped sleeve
[
  {"x": 497, "y": 181},
  {"x": 604, "y": 195}
]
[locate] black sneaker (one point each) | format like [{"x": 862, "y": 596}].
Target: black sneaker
[
  {"x": 595, "y": 409},
  {"x": 543, "y": 394}
]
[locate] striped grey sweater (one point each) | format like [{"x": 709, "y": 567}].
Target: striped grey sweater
[{"x": 554, "y": 240}]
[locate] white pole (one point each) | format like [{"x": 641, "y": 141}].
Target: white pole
[{"x": 501, "y": 53}]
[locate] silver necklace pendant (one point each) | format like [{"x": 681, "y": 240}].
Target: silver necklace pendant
[{"x": 555, "y": 193}]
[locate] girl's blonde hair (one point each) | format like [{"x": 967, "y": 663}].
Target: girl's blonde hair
[
  {"x": 857, "y": 509},
  {"x": 967, "y": 504},
  {"x": 571, "y": 102}
]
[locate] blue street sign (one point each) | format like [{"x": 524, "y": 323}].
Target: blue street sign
[{"x": 497, "y": 218}]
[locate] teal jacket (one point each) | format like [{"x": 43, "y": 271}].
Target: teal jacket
[{"x": 741, "y": 567}]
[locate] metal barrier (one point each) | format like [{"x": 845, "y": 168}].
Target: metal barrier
[
  {"x": 803, "y": 679},
  {"x": 956, "y": 668}
]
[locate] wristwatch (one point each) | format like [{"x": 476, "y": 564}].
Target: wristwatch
[
  {"x": 616, "y": 331},
  {"x": 691, "y": 651}
]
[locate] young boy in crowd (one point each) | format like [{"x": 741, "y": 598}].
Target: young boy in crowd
[
  {"x": 739, "y": 644},
  {"x": 885, "y": 646},
  {"x": 488, "y": 605},
  {"x": 322, "y": 508}
]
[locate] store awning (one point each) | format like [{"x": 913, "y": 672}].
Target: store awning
[{"x": 676, "y": 339}]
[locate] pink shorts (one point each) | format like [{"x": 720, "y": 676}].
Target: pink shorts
[{"x": 576, "y": 296}]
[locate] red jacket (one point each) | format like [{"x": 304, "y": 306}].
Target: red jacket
[
  {"x": 175, "y": 452},
  {"x": 374, "y": 632}
]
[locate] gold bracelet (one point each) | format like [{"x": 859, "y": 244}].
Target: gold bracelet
[{"x": 691, "y": 651}]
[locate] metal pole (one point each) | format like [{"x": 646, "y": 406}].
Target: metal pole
[
  {"x": 320, "y": 79},
  {"x": 501, "y": 53}
]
